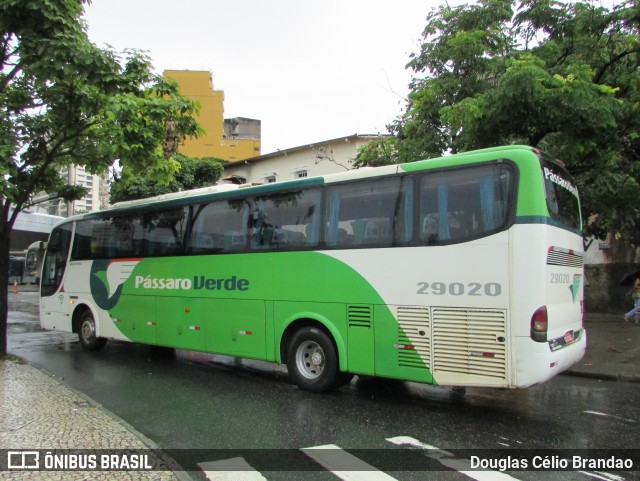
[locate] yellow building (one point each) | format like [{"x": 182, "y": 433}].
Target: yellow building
[{"x": 227, "y": 139}]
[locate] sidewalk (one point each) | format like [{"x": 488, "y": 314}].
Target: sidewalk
[
  {"x": 613, "y": 349},
  {"x": 39, "y": 412}
]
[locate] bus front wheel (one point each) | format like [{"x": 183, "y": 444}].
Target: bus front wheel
[
  {"x": 312, "y": 361},
  {"x": 87, "y": 333}
]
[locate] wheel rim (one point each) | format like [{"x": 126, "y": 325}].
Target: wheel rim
[
  {"x": 88, "y": 330},
  {"x": 310, "y": 360}
]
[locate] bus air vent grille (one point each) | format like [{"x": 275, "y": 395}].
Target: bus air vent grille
[
  {"x": 557, "y": 256},
  {"x": 466, "y": 342},
  {"x": 359, "y": 316},
  {"x": 414, "y": 337}
]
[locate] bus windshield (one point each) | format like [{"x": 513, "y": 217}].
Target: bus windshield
[{"x": 561, "y": 194}]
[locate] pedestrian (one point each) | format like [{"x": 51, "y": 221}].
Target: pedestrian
[{"x": 635, "y": 295}]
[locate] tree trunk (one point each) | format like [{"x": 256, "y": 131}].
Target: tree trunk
[{"x": 5, "y": 246}]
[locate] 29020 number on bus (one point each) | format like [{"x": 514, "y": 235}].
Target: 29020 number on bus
[{"x": 492, "y": 289}]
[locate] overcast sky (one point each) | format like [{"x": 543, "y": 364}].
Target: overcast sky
[{"x": 310, "y": 70}]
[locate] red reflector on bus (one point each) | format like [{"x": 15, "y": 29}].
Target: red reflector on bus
[
  {"x": 482, "y": 354},
  {"x": 406, "y": 347},
  {"x": 194, "y": 328},
  {"x": 246, "y": 333}
]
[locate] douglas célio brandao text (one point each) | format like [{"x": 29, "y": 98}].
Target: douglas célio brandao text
[{"x": 551, "y": 462}]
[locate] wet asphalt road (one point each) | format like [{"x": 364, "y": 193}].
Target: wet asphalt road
[{"x": 191, "y": 401}]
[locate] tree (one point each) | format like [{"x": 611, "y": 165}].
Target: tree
[
  {"x": 65, "y": 101},
  {"x": 382, "y": 151},
  {"x": 192, "y": 174},
  {"x": 562, "y": 76}
]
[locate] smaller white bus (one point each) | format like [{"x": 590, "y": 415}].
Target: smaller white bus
[{"x": 33, "y": 262}]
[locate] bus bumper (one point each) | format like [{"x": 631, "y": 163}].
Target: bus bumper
[{"x": 536, "y": 362}]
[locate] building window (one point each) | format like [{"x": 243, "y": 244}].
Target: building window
[
  {"x": 270, "y": 179},
  {"x": 300, "y": 174}
]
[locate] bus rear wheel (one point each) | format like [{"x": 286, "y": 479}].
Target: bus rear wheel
[
  {"x": 312, "y": 361},
  {"x": 87, "y": 333}
]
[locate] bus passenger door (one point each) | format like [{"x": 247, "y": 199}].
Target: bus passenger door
[
  {"x": 237, "y": 327},
  {"x": 54, "y": 301}
]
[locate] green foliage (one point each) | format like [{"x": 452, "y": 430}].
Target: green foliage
[
  {"x": 562, "y": 76},
  {"x": 377, "y": 152},
  {"x": 191, "y": 174},
  {"x": 65, "y": 101}
]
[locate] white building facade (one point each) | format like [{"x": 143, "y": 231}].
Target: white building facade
[{"x": 310, "y": 160}]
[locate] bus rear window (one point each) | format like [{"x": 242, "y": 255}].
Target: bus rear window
[{"x": 561, "y": 195}]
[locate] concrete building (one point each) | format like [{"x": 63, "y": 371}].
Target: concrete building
[
  {"x": 227, "y": 139},
  {"x": 104, "y": 191},
  {"x": 320, "y": 158},
  {"x": 97, "y": 193}
]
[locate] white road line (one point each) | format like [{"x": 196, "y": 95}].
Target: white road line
[
  {"x": 598, "y": 413},
  {"x": 344, "y": 465},
  {"x": 447, "y": 459},
  {"x": 603, "y": 476},
  {"x": 232, "y": 469}
]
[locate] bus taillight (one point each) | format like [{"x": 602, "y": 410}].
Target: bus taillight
[{"x": 539, "y": 324}]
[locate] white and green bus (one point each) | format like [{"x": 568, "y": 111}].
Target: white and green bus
[{"x": 465, "y": 270}]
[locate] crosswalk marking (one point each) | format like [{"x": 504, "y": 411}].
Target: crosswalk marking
[
  {"x": 233, "y": 469},
  {"x": 348, "y": 467},
  {"x": 447, "y": 459},
  {"x": 344, "y": 465}
]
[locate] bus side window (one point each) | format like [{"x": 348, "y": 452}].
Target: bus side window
[
  {"x": 286, "y": 221},
  {"x": 370, "y": 213},
  {"x": 127, "y": 237},
  {"x": 100, "y": 238},
  {"x": 82, "y": 241},
  {"x": 463, "y": 204},
  {"x": 164, "y": 232},
  {"x": 219, "y": 227}
]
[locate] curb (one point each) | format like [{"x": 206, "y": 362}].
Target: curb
[
  {"x": 180, "y": 473},
  {"x": 602, "y": 376}
]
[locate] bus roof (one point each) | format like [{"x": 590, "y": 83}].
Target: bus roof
[{"x": 232, "y": 190}]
